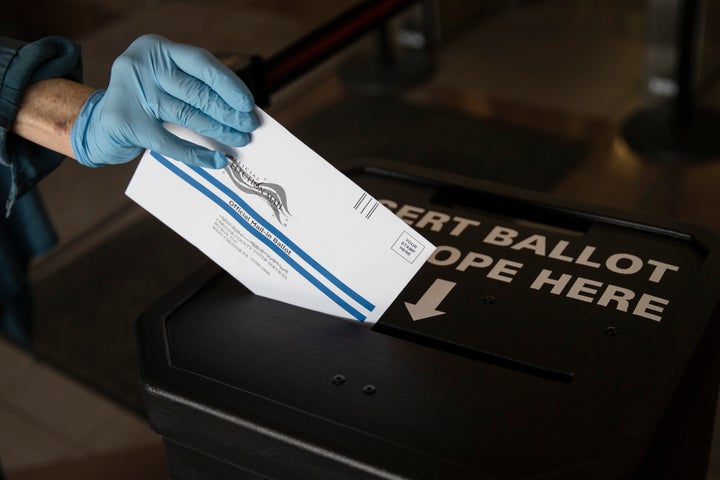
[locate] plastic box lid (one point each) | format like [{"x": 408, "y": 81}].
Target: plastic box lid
[{"x": 542, "y": 340}]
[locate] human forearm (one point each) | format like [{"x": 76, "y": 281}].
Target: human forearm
[
  {"x": 48, "y": 111},
  {"x": 154, "y": 81}
]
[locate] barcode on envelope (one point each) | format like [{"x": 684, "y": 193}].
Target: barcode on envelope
[{"x": 366, "y": 205}]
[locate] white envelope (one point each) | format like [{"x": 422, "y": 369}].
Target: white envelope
[{"x": 285, "y": 223}]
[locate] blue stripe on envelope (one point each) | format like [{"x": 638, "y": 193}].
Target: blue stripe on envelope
[
  {"x": 302, "y": 271},
  {"x": 268, "y": 226}
]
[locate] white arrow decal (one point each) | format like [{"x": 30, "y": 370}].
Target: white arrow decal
[{"x": 426, "y": 307}]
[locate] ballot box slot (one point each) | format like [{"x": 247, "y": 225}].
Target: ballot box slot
[
  {"x": 529, "y": 224},
  {"x": 476, "y": 354},
  {"x": 550, "y": 217},
  {"x": 493, "y": 205}
]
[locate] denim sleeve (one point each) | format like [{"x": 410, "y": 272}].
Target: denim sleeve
[{"x": 23, "y": 163}]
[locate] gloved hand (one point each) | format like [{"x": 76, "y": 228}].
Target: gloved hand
[{"x": 156, "y": 80}]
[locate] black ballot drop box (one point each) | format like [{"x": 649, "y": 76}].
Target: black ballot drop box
[{"x": 542, "y": 340}]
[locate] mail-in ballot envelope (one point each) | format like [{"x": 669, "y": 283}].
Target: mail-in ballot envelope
[{"x": 285, "y": 223}]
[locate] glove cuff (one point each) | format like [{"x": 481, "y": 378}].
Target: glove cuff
[{"x": 79, "y": 133}]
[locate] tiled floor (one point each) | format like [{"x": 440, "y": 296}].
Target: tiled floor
[
  {"x": 572, "y": 66},
  {"x": 46, "y": 418}
]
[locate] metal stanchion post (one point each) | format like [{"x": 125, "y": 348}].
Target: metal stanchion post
[{"x": 674, "y": 128}]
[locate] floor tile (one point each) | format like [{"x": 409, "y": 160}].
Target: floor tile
[
  {"x": 123, "y": 431},
  {"x": 60, "y": 404},
  {"x": 549, "y": 55},
  {"x": 23, "y": 443},
  {"x": 14, "y": 363},
  {"x": 147, "y": 463}
]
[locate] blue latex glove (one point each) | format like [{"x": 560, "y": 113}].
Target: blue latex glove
[{"x": 155, "y": 81}]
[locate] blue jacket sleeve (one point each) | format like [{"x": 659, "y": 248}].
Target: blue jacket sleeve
[
  {"x": 23, "y": 164},
  {"x": 25, "y": 230}
]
